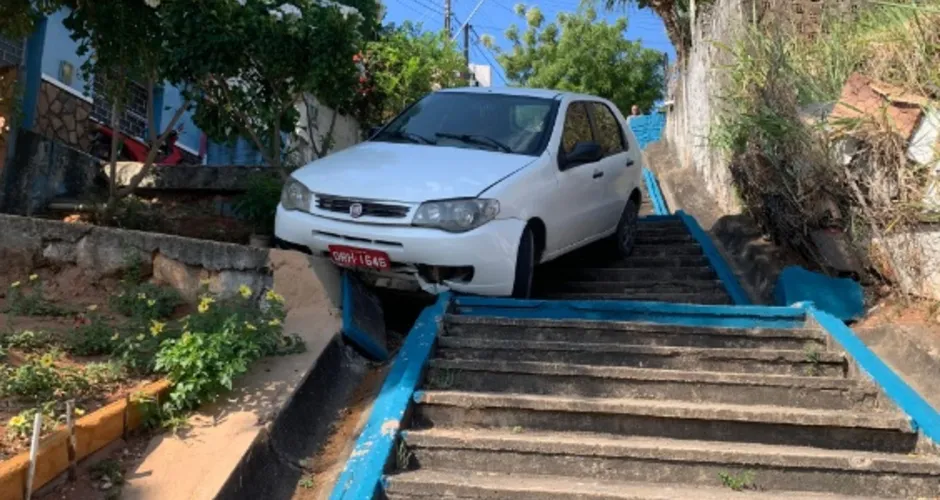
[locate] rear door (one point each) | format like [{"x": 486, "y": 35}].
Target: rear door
[
  {"x": 578, "y": 200},
  {"x": 617, "y": 164}
]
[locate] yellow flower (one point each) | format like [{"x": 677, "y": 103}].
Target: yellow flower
[
  {"x": 115, "y": 337},
  {"x": 250, "y": 327},
  {"x": 79, "y": 411},
  {"x": 46, "y": 360},
  {"x": 205, "y": 303},
  {"x": 93, "y": 307},
  {"x": 33, "y": 277},
  {"x": 244, "y": 291},
  {"x": 274, "y": 322},
  {"x": 205, "y": 282},
  {"x": 142, "y": 296},
  {"x": 156, "y": 327},
  {"x": 17, "y": 421},
  {"x": 151, "y": 303},
  {"x": 273, "y": 296},
  {"x": 15, "y": 284},
  {"x": 140, "y": 337}
]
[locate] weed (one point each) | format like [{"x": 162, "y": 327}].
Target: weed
[
  {"x": 99, "y": 374},
  {"x": 28, "y": 340},
  {"x": 93, "y": 337},
  {"x": 403, "y": 456},
  {"x": 108, "y": 471},
  {"x": 517, "y": 430},
  {"x": 306, "y": 481},
  {"x": 38, "y": 379},
  {"x": 26, "y": 299},
  {"x": 738, "y": 482},
  {"x": 812, "y": 355},
  {"x": 441, "y": 379}
]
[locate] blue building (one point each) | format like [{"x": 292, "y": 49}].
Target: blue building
[{"x": 59, "y": 102}]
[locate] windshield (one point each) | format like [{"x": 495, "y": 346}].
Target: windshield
[{"x": 494, "y": 122}]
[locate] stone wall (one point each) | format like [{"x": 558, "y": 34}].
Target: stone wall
[
  {"x": 63, "y": 116},
  {"x": 101, "y": 251}
]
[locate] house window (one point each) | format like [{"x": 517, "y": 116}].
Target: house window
[{"x": 134, "y": 120}]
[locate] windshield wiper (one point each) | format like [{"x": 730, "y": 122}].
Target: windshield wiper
[
  {"x": 477, "y": 139},
  {"x": 410, "y": 137}
]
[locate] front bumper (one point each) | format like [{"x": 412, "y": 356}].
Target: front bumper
[{"x": 490, "y": 249}]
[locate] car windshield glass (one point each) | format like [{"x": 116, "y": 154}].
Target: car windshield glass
[{"x": 493, "y": 122}]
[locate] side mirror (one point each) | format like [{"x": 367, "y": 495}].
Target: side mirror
[{"x": 583, "y": 152}]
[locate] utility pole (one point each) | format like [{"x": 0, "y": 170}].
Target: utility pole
[
  {"x": 447, "y": 16},
  {"x": 466, "y": 44}
]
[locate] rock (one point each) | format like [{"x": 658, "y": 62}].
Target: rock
[
  {"x": 227, "y": 283},
  {"x": 59, "y": 253},
  {"x": 836, "y": 250},
  {"x": 106, "y": 254},
  {"x": 185, "y": 279}
]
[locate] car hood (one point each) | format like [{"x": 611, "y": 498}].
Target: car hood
[{"x": 408, "y": 172}]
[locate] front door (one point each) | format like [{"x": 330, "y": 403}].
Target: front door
[{"x": 617, "y": 164}]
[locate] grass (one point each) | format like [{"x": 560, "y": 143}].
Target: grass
[
  {"x": 738, "y": 482},
  {"x": 785, "y": 166},
  {"x": 812, "y": 354}
]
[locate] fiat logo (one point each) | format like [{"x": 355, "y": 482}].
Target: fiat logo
[{"x": 355, "y": 210}]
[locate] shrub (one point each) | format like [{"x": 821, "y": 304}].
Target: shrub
[
  {"x": 27, "y": 340},
  {"x": 26, "y": 299},
  {"x": 144, "y": 302}
]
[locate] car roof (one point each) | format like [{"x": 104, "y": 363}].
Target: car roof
[{"x": 521, "y": 91}]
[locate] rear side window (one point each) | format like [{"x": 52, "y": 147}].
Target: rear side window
[
  {"x": 577, "y": 127},
  {"x": 609, "y": 133}
]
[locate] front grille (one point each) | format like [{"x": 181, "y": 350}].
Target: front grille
[{"x": 369, "y": 208}]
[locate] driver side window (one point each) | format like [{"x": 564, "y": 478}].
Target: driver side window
[{"x": 577, "y": 127}]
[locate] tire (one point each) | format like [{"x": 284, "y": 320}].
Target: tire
[
  {"x": 625, "y": 238},
  {"x": 525, "y": 266}
]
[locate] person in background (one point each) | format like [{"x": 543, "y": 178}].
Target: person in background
[{"x": 634, "y": 110}]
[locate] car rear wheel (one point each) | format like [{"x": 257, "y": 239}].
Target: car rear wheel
[
  {"x": 525, "y": 266},
  {"x": 627, "y": 228}
]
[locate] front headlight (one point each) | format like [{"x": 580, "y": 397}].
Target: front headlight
[
  {"x": 295, "y": 196},
  {"x": 456, "y": 216}
]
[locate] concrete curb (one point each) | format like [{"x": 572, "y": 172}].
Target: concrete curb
[{"x": 92, "y": 433}]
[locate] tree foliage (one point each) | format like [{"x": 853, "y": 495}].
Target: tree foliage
[
  {"x": 579, "y": 53},
  {"x": 404, "y": 64}
]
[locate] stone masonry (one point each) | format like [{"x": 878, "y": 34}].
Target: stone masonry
[{"x": 63, "y": 117}]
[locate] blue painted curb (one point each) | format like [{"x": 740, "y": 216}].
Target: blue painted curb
[
  {"x": 651, "y": 312},
  {"x": 656, "y": 196},
  {"x": 362, "y": 339},
  {"x": 724, "y": 272},
  {"x": 362, "y": 476},
  {"x": 924, "y": 417}
]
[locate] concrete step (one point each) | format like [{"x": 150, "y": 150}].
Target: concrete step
[
  {"x": 746, "y": 360},
  {"x": 658, "y": 460},
  {"x": 705, "y": 298},
  {"x": 468, "y": 485},
  {"x": 661, "y": 237},
  {"x": 642, "y": 249},
  {"x": 779, "y": 425},
  {"x": 643, "y": 383},
  {"x": 663, "y": 286},
  {"x": 624, "y": 275},
  {"x": 633, "y": 262},
  {"x": 632, "y": 333}
]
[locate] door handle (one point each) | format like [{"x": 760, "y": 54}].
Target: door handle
[
  {"x": 598, "y": 174},
  {"x": 629, "y": 163}
]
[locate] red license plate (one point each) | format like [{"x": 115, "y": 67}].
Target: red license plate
[{"x": 359, "y": 257}]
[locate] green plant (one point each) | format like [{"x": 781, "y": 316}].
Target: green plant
[
  {"x": 27, "y": 340},
  {"x": 20, "y": 426},
  {"x": 94, "y": 336},
  {"x": 103, "y": 373},
  {"x": 38, "y": 379},
  {"x": 258, "y": 203},
  {"x": 109, "y": 471},
  {"x": 217, "y": 345},
  {"x": 812, "y": 355},
  {"x": 738, "y": 482},
  {"x": 441, "y": 379},
  {"x": 306, "y": 481},
  {"x": 144, "y": 302},
  {"x": 26, "y": 299}
]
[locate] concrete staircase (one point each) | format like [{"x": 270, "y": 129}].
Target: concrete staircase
[
  {"x": 578, "y": 409},
  {"x": 667, "y": 265}
]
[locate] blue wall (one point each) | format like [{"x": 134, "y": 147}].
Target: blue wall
[
  {"x": 172, "y": 100},
  {"x": 60, "y": 47},
  {"x": 647, "y": 128}
]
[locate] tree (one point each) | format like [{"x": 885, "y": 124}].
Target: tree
[
  {"x": 18, "y": 17},
  {"x": 404, "y": 64},
  {"x": 250, "y": 62},
  {"x": 580, "y": 54},
  {"x": 676, "y": 16}
]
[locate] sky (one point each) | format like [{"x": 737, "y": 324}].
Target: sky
[{"x": 494, "y": 16}]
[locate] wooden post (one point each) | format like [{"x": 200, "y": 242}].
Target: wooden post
[
  {"x": 70, "y": 424},
  {"x": 33, "y": 454}
]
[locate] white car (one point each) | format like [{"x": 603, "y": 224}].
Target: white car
[{"x": 468, "y": 189}]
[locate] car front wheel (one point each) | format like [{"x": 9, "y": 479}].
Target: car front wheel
[
  {"x": 627, "y": 228},
  {"x": 525, "y": 266}
]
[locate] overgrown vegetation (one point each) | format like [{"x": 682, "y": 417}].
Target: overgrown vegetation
[
  {"x": 738, "y": 482},
  {"x": 202, "y": 353},
  {"x": 797, "y": 172}
]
